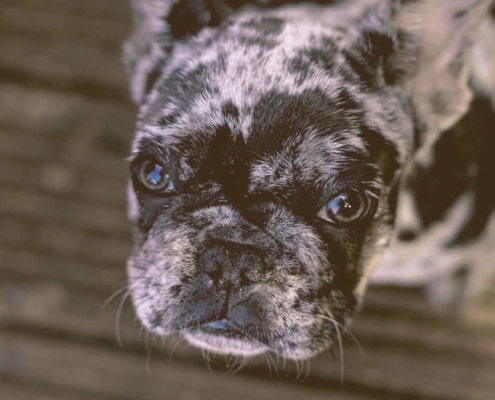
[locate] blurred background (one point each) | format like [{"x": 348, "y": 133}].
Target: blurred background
[{"x": 65, "y": 128}]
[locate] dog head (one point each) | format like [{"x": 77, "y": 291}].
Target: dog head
[{"x": 268, "y": 155}]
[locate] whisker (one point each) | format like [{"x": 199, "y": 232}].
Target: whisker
[
  {"x": 298, "y": 369},
  {"x": 308, "y": 370},
  {"x": 129, "y": 279},
  {"x": 113, "y": 296},
  {"x": 242, "y": 363},
  {"x": 235, "y": 365},
  {"x": 267, "y": 358},
  {"x": 355, "y": 341},
  {"x": 348, "y": 333},
  {"x": 140, "y": 332},
  {"x": 341, "y": 350},
  {"x": 118, "y": 316},
  {"x": 175, "y": 346},
  {"x": 148, "y": 351},
  {"x": 284, "y": 361},
  {"x": 206, "y": 359},
  {"x": 275, "y": 364},
  {"x": 231, "y": 363}
]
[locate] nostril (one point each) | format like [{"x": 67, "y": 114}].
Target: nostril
[
  {"x": 407, "y": 235},
  {"x": 215, "y": 274},
  {"x": 251, "y": 268},
  {"x": 211, "y": 264},
  {"x": 244, "y": 279},
  {"x": 212, "y": 278}
]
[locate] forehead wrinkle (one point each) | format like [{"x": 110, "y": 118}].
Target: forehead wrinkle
[
  {"x": 324, "y": 155},
  {"x": 271, "y": 171},
  {"x": 315, "y": 161}
]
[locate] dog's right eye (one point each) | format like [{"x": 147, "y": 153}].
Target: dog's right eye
[
  {"x": 152, "y": 175},
  {"x": 347, "y": 207}
]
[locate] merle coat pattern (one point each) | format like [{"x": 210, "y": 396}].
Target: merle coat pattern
[{"x": 260, "y": 114}]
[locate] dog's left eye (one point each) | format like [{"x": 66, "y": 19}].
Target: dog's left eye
[
  {"x": 347, "y": 207},
  {"x": 152, "y": 176}
]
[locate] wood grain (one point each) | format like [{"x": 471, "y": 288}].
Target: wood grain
[{"x": 65, "y": 130}]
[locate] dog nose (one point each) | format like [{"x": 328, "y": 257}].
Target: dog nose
[{"x": 232, "y": 266}]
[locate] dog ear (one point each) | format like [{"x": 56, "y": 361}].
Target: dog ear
[
  {"x": 435, "y": 42},
  {"x": 425, "y": 46},
  {"x": 158, "y": 25}
]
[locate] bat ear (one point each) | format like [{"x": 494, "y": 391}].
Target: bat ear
[
  {"x": 424, "y": 46},
  {"x": 158, "y": 25},
  {"x": 434, "y": 39}
]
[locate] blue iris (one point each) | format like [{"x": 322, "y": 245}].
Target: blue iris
[
  {"x": 156, "y": 176},
  {"x": 152, "y": 175},
  {"x": 339, "y": 204}
]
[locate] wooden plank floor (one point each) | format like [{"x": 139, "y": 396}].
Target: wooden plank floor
[{"x": 65, "y": 128}]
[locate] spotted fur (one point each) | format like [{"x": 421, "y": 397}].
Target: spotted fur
[{"x": 261, "y": 112}]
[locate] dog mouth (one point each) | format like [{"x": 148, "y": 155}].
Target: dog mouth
[
  {"x": 223, "y": 337},
  {"x": 223, "y": 328}
]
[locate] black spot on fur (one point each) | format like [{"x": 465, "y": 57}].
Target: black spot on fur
[
  {"x": 183, "y": 87},
  {"x": 383, "y": 153},
  {"x": 346, "y": 102},
  {"x": 168, "y": 119},
  {"x": 359, "y": 67},
  {"x": 188, "y": 17},
  {"x": 300, "y": 66},
  {"x": 322, "y": 56},
  {"x": 371, "y": 51},
  {"x": 225, "y": 163},
  {"x": 153, "y": 77},
  {"x": 278, "y": 117},
  {"x": 403, "y": 59},
  {"x": 175, "y": 290},
  {"x": 377, "y": 44},
  {"x": 230, "y": 110}
]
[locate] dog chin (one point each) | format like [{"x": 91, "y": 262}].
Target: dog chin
[{"x": 225, "y": 346}]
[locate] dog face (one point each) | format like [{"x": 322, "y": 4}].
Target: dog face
[{"x": 267, "y": 160}]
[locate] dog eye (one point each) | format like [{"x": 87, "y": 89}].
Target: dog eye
[
  {"x": 347, "y": 207},
  {"x": 152, "y": 176}
]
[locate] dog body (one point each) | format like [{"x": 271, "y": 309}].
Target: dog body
[{"x": 271, "y": 144}]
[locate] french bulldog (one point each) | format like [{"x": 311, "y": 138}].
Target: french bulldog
[{"x": 273, "y": 141}]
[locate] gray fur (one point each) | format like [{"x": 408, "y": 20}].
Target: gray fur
[{"x": 363, "y": 84}]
